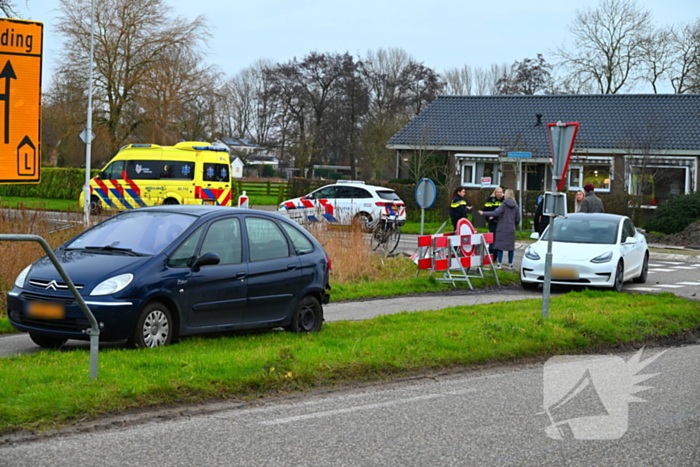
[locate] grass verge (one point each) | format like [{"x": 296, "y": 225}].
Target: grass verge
[{"x": 51, "y": 389}]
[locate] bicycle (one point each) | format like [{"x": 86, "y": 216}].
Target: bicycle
[{"x": 386, "y": 233}]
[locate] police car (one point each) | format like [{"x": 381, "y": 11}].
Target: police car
[{"x": 345, "y": 201}]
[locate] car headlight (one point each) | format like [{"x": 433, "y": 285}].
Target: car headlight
[
  {"x": 604, "y": 258},
  {"x": 112, "y": 285},
  {"x": 531, "y": 254},
  {"x": 19, "y": 282}
]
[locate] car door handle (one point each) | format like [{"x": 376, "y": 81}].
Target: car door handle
[
  {"x": 240, "y": 274},
  {"x": 291, "y": 266}
]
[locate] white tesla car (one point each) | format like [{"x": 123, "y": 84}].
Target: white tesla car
[{"x": 597, "y": 250}]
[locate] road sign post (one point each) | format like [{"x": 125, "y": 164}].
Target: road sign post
[
  {"x": 425, "y": 194},
  {"x": 561, "y": 142},
  {"x": 21, "y": 44}
]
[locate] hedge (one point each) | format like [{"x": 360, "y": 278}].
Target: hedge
[{"x": 56, "y": 183}]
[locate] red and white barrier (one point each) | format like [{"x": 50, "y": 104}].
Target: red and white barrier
[{"x": 455, "y": 253}]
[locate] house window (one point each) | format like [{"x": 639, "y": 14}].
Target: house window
[
  {"x": 598, "y": 175},
  {"x": 481, "y": 173},
  {"x": 660, "y": 181}
]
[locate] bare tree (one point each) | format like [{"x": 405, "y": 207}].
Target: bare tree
[
  {"x": 8, "y": 9},
  {"x": 131, "y": 38},
  {"x": 656, "y": 59},
  {"x": 458, "y": 81},
  {"x": 529, "y": 77},
  {"x": 608, "y": 44},
  {"x": 685, "y": 64}
]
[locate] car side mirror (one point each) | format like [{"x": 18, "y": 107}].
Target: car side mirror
[
  {"x": 631, "y": 241},
  {"x": 535, "y": 235},
  {"x": 208, "y": 259}
]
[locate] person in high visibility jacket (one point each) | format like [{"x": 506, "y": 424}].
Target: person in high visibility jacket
[
  {"x": 492, "y": 203},
  {"x": 458, "y": 206}
]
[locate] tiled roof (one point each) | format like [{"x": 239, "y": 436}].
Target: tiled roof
[{"x": 641, "y": 122}]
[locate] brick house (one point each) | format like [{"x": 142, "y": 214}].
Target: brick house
[{"x": 627, "y": 143}]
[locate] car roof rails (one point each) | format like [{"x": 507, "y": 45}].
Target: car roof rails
[{"x": 356, "y": 182}]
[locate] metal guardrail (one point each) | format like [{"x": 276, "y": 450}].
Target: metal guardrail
[{"x": 94, "y": 331}]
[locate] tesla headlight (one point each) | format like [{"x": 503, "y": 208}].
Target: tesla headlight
[
  {"x": 112, "y": 285},
  {"x": 604, "y": 258},
  {"x": 531, "y": 254},
  {"x": 19, "y": 282}
]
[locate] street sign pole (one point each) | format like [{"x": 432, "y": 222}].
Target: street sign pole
[
  {"x": 559, "y": 135},
  {"x": 88, "y": 130}
]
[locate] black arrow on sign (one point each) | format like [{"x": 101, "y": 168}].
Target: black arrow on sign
[{"x": 7, "y": 73}]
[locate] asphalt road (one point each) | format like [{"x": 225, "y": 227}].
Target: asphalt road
[{"x": 487, "y": 417}]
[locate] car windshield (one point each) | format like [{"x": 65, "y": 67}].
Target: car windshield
[
  {"x": 388, "y": 195},
  {"x": 583, "y": 231},
  {"x": 134, "y": 232}
]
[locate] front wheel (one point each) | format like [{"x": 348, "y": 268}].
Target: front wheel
[
  {"x": 46, "y": 341},
  {"x": 154, "y": 327},
  {"x": 308, "y": 317},
  {"x": 619, "y": 277},
  {"x": 529, "y": 285},
  {"x": 392, "y": 240},
  {"x": 95, "y": 206}
]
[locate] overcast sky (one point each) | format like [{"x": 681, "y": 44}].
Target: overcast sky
[{"x": 442, "y": 34}]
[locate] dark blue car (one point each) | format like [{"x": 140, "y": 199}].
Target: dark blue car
[{"x": 154, "y": 274}]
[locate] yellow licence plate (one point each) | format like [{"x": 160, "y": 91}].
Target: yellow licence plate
[
  {"x": 209, "y": 201},
  {"x": 564, "y": 273},
  {"x": 46, "y": 310}
]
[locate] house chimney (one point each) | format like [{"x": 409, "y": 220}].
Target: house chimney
[{"x": 539, "y": 119}]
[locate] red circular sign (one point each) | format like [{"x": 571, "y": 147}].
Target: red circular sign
[{"x": 464, "y": 227}]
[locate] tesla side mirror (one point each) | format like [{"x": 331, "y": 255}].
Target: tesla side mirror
[
  {"x": 631, "y": 241},
  {"x": 208, "y": 259},
  {"x": 535, "y": 235}
]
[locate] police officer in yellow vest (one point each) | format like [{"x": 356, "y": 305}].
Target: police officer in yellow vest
[
  {"x": 458, "y": 206},
  {"x": 495, "y": 200}
]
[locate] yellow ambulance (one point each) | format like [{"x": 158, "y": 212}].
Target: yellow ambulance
[{"x": 148, "y": 175}]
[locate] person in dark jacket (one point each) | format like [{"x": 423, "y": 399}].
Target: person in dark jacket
[
  {"x": 491, "y": 204},
  {"x": 508, "y": 214},
  {"x": 458, "y": 206},
  {"x": 541, "y": 221},
  {"x": 591, "y": 203}
]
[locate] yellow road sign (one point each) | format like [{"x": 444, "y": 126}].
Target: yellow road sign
[{"x": 21, "y": 45}]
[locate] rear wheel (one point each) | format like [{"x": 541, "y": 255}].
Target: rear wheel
[
  {"x": 46, "y": 341},
  {"x": 365, "y": 221},
  {"x": 642, "y": 278},
  {"x": 308, "y": 317},
  {"x": 154, "y": 327},
  {"x": 170, "y": 201}
]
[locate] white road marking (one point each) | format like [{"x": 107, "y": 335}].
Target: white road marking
[
  {"x": 688, "y": 283},
  {"x": 662, "y": 270},
  {"x": 683, "y": 267},
  {"x": 670, "y": 286},
  {"x": 671, "y": 262},
  {"x": 328, "y": 413},
  {"x": 646, "y": 289}
]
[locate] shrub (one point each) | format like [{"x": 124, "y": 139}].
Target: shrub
[{"x": 675, "y": 215}]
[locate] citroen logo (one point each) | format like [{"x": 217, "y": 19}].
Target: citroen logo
[{"x": 53, "y": 285}]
